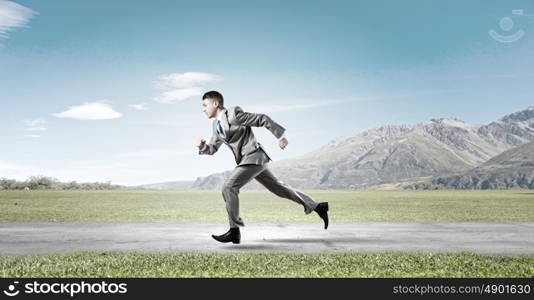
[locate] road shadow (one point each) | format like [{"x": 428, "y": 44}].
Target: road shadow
[
  {"x": 274, "y": 245},
  {"x": 252, "y": 247},
  {"x": 343, "y": 240}
]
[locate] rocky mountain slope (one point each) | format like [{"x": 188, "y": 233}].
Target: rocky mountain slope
[
  {"x": 513, "y": 168},
  {"x": 398, "y": 153}
]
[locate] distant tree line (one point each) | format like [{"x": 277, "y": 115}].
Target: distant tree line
[{"x": 48, "y": 183}]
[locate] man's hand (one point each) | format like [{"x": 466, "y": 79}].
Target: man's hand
[
  {"x": 283, "y": 143},
  {"x": 201, "y": 143}
]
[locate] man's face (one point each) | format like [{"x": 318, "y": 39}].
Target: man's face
[{"x": 209, "y": 108}]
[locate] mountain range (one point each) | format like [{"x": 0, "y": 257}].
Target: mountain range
[
  {"x": 513, "y": 168},
  {"x": 441, "y": 152}
]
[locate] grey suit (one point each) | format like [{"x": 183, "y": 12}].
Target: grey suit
[{"x": 252, "y": 160}]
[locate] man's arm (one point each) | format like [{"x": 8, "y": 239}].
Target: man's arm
[
  {"x": 236, "y": 116},
  {"x": 210, "y": 148}
]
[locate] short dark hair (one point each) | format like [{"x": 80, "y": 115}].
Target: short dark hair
[{"x": 214, "y": 95}]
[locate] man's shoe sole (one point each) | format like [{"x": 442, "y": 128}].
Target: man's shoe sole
[{"x": 233, "y": 242}]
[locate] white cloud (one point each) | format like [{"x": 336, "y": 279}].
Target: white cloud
[
  {"x": 183, "y": 80},
  {"x": 35, "y": 124},
  {"x": 90, "y": 111},
  {"x": 12, "y": 16},
  {"x": 181, "y": 86},
  {"x": 178, "y": 95},
  {"x": 290, "y": 107},
  {"x": 33, "y": 135},
  {"x": 140, "y": 106}
]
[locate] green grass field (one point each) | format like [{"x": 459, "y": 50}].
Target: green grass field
[
  {"x": 356, "y": 206},
  {"x": 266, "y": 265}
]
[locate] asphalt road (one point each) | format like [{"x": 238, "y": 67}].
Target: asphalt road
[{"x": 169, "y": 237}]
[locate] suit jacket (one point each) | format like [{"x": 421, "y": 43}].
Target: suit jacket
[{"x": 239, "y": 136}]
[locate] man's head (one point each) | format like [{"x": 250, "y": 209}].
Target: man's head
[{"x": 211, "y": 102}]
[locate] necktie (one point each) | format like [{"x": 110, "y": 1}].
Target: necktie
[{"x": 220, "y": 129}]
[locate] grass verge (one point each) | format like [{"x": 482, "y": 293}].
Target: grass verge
[
  {"x": 89, "y": 264},
  {"x": 262, "y": 206}
]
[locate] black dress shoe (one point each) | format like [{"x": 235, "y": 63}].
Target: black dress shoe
[
  {"x": 322, "y": 211},
  {"x": 233, "y": 235}
]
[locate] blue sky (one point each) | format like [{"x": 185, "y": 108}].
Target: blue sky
[{"x": 98, "y": 90}]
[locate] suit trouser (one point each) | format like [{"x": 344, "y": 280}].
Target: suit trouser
[{"x": 243, "y": 174}]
